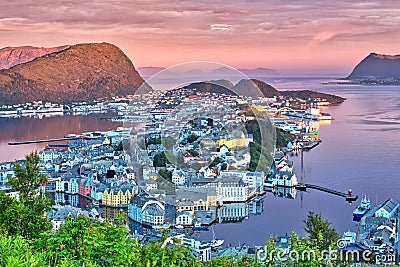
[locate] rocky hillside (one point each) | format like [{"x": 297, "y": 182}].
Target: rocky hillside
[
  {"x": 11, "y": 56},
  {"x": 308, "y": 94},
  {"x": 377, "y": 66},
  {"x": 257, "y": 88},
  {"x": 81, "y": 72}
]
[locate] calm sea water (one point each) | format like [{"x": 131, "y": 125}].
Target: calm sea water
[{"x": 360, "y": 150}]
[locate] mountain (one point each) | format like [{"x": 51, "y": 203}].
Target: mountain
[
  {"x": 377, "y": 66},
  {"x": 217, "y": 87},
  {"x": 11, "y": 56},
  {"x": 149, "y": 71},
  {"x": 306, "y": 94},
  {"x": 259, "y": 72},
  {"x": 257, "y": 88},
  {"x": 81, "y": 72}
]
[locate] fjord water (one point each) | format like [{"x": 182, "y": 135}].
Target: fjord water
[
  {"x": 38, "y": 128},
  {"x": 359, "y": 150}
]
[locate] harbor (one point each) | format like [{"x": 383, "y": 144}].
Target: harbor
[{"x": 321, "y": 167}]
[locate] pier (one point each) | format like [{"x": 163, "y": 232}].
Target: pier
[
  {"x": 48, "y": 140},
  {"x": 348, "y": 197},
  {"x": 303, "y": 187}
]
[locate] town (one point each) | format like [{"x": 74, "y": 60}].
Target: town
[{"x": 185, "y": 160}]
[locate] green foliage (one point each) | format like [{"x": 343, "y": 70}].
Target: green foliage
[
  {"x": 119, "y": 147},
  {"x": 27, "y": 178},
  {"x": 24, "y": 215},
  {"x": 160, "y": 160},
  {"x": 16, "y": 251},
  {"x": 215, "y": 162},
  {"x": 194, "y": 152},
  {"x": 81, "y": 240},
  {"x": 85, "y": 242},
  {"x": 320, "y": 232},
  {"x": 166, "y": 174},
  {"x": 153, "y": 141},
  {"x": 260, "y": 159},
  {"x": 168, "y": 142},
  {"x": 283, "y": 138},
  {"x": 253, "y": 128},
  {"x": 192, "y": 138}
]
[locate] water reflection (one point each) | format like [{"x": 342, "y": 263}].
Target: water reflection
[{"x": 25, "y": 128}]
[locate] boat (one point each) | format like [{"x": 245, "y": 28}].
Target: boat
[
  {"x": 216, "y": 242},
  {"x": 362, "y": 209},
  {"x": 199, "y": 227},
  {"x": 179, "y": 226}
]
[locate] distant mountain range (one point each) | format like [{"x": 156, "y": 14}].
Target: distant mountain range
[
  {"x": 81, "y": 72},
  {"x": 222, "y": 72},
  {"x": 377, "y": 68}
]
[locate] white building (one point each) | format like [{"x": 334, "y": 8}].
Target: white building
[
  {"x": 388, "y": 209},
  {"x": 184, "y": 218},
  {"x": 178, "y": 177},
  {"x": 153, "y": 213},
  {"x": 231, "y": 189}
]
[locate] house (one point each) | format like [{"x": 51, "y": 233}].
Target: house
[
  {"x": 118, "y": 195},
  {"x": 97, "y": 191},
  {"x": 184, "y": 204},
  {"x": 235, "y": 139},
  {"x": 184, "y": 218},
  {"x": 201, "y": 199},
  {"x": 129, "y": 173},
  {"x": 178, "y": 177},
  {"x": 150, "y": 211},
  {"x": 153, "y": 213},
  {"x": 198, "y": 247},
  {"x": 6, "y": 170},
  {"x": 150, "y": 184},
  {"x": 222, "y": 150},
  {"x": 84, "y": 187},
  {"x": 151, "y": 175},
  {"x": 388, "y": 209},
  {"x": 188, "y": 157}
]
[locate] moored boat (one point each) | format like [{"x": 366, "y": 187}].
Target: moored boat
[
  {"x": 216, "y": 242},
  {"x": 362, "y": 209},
  {"x": 199, "y": 227}
]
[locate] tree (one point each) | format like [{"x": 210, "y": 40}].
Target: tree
[
  {"x": 192, "y": 138},
  {"x": 27, "y": 178},
  {"x": 25, "y": 215},
  {"x": 166, "y": 174},
  {"x": 320, "y": 232},
  {"x": 160, "y": 160}
]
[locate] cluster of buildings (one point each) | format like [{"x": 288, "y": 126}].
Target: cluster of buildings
[
  {"x": 378, "y": 234},
  {"x": 186, "y": 165}
]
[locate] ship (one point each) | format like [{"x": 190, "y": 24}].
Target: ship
[
  {"x": 362, "y": 209},
  {"x": 214, "y": 243},
  {"x": 199, "y": 227}
]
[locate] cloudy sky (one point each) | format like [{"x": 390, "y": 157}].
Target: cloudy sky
[{"x": 290, "y": 36}]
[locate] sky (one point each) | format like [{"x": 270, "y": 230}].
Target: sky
[{"x": 295, "y": 37}]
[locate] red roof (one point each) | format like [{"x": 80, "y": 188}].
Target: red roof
[{"x": 188, "y": 155}]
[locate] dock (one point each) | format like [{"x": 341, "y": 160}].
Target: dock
[
  {"x": 303, "y": 187},
  {"x": 48, "y": 140},
  {"x": 348, "y": 197},
  {"x": 41, "y": 141}
]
